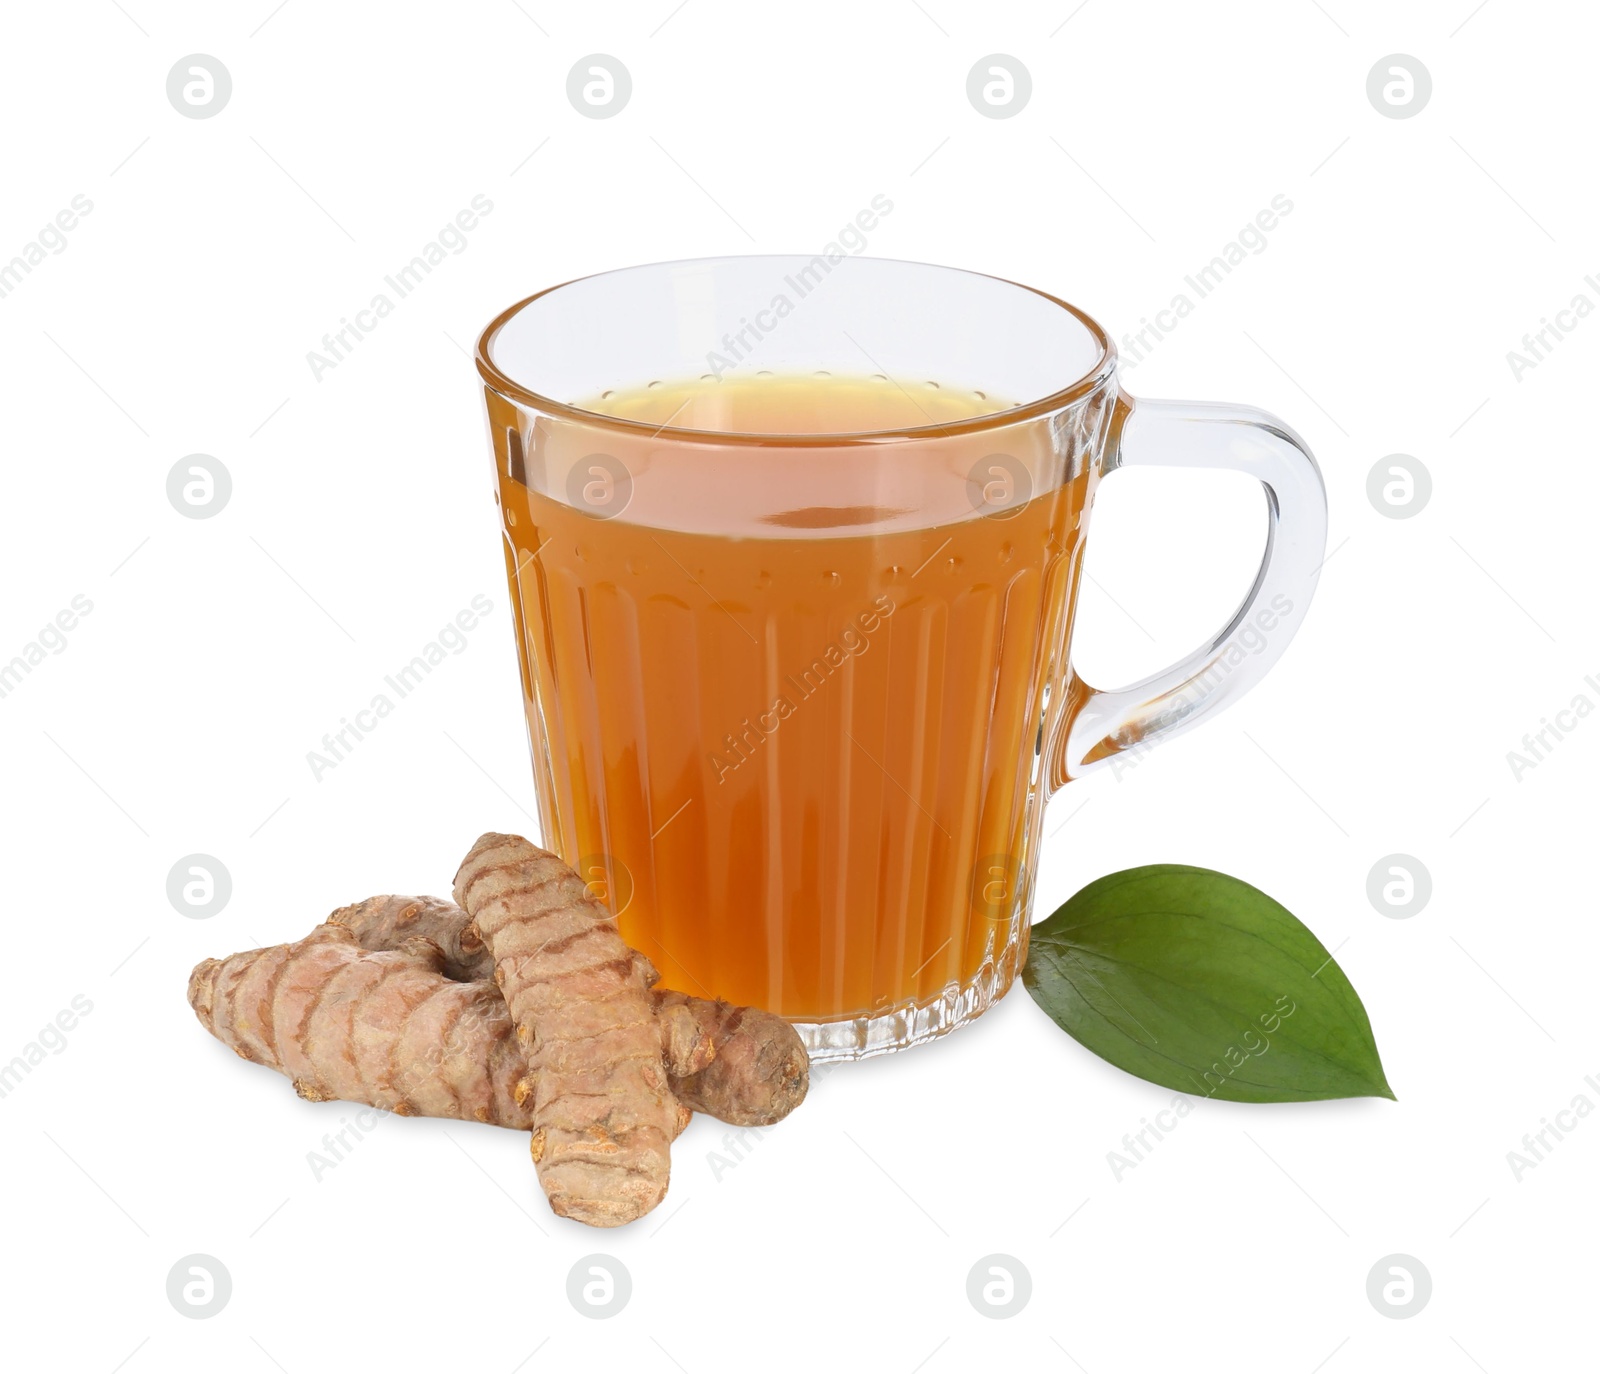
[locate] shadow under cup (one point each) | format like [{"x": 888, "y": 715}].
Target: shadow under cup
[{"x": 792, "y": 695}]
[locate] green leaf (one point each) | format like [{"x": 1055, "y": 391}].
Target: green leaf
[{"x": 1204, "y": 984}]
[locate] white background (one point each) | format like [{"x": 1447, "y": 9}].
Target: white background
[{"x": 219, "y": 651}]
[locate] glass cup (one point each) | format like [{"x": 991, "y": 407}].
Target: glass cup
[{"x": 798, "y": 682}]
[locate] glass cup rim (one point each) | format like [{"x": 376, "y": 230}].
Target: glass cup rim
[{"x": 1086, "y": 383}]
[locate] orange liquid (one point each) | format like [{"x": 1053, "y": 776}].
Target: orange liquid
[{"x": 786, "y": 706}]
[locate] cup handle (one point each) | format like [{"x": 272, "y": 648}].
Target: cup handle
[{"x": 1098, "y": 725}]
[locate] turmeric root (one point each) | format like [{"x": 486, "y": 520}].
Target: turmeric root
[
  {"x": 453, "y": 1055},
  {"x": 387, "y": 1003},
  {"x": 604, "y": 1113},
  {"x": 758, "y": 1069},
  {"x": 385, "y": 1028},
  {"x": 739, "y": 1064},
  {"x": 383, "y": 922}
]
